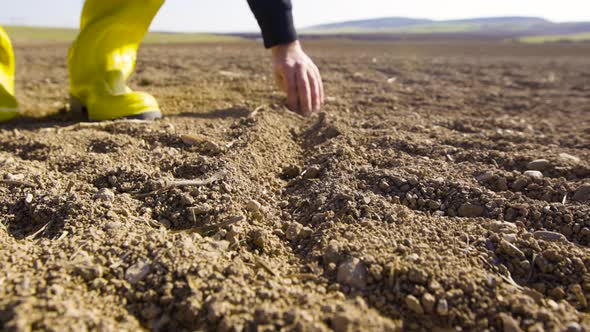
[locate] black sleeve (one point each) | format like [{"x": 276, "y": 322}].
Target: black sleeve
[{"x": 275, "y": 19}]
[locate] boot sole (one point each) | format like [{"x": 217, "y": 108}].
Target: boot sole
[
  {"x": 80, "y": 112},
  {"x": 8, "y": 114}
]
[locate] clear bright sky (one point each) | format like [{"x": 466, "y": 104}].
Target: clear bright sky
[{"x": 234, "y": 15}]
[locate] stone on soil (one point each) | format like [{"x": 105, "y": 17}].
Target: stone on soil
[
  {"x": 534, "y": 174},
  {"x": 332, "y": 252},
  {"x": 418, "y": 276},
  {"x": 503, "y": 227},
  {"x": 137, "y": 272},
  {"x": 192, "y": 139},
  {"x": 29, "y": 198},
  {"x": 510, "y": 249},
  {"x": 105, "y": 195},
  {"x": 353, "y": 272},
  {"x": 549, "y": 236},
  {"x": 539, "y": 165},
  {"x": 383, "y": 185},
  {"x": 442, "y": 308},
  {"x": 583, "y": 193},
  {"x": 510, "y": 237},
  {"x": 293, "y": 230},
  {"x": 569, "y": 158},
  {"x": 313, "y": 171},
  {"x": 253, "y": 206},
  {"x": 509, "y": 324},
  {"x": 428, "y": 302},
  {"x": 485, "y": 177},
  {"x": 470, "y": 210},
  {"x": 414, "y": 305}
]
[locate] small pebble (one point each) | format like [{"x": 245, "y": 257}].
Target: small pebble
[
  {"x": 253, "y": 206},
  {"x": 383, "y": 185},
  {"x": 414, "y": 305},
  {"x": 192, "y": 139},
  {"x": 137, "y": 272},
  {"x": 557, "y": 293},
  {"x": 353, "y": 273},
  {"x": 12, "y": 177},
  {"x": 200, "y": 209},
  {"x": 442, "y": 308},
  {"x": 434, "y": 285},
  {"x": 29, "y": 198},
  {"x": 293, "y": 230},
  {"x": 583, "y": 193},
  {"x": 332, "y": 252},
  {"x": 510, "y": 249},
  {"x": 313, "y": 171},
  {"x": 485, "y": 177},
  {"x": 534, "y": 174},
  {"x": 569, "y": 158},
  {"x": 503, "y": 227},
  {"x": 306, "y": 232},
  {"x": 428, "y": 302},
  {"x": 471, "y": 210},
  {"x": 105, "y": 195},
  {"x": 212, "y": 147},
  {"x": 539, "y": 165},
  {"x": 509, "y": 324},
  {"x": 549, "y": 236},
  {"x": 509, "y": 237},
  {"x": 418, "y": 276}
]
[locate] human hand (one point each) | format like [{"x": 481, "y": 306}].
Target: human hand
[{"x": 299, "y": 77}]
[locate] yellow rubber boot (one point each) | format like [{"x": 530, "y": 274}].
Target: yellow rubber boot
[
  {"x": 8, "y": 103},
  {"x": 103, "y": 57}
]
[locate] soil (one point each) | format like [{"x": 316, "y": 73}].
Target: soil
[{"x": 445, "y": 186}]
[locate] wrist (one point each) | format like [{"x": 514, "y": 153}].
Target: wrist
[{"x": 285, "y": 48}]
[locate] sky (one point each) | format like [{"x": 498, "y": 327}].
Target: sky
[{"x": 234, "y": 15}]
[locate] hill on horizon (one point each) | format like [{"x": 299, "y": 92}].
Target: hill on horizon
[{"x": 505, "y": 27}]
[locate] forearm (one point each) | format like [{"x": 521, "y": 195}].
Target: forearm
[{"x": 275, "y": 19}]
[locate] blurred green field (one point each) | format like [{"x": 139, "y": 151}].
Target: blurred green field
[
  {"x": 580, "y": 37},
  {"x": 20, "y": 34}
]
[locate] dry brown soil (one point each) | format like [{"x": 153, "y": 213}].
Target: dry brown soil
[{"x": 405, "y": 205}]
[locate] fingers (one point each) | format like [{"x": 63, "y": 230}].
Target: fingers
[
  {"x": 303, "y": 85},
  {"x": 303, "y": 90},
  {"x": 321, "y": 84},
  {"x": 292, "y": 97},
  {"x": 315, "y": 91}
]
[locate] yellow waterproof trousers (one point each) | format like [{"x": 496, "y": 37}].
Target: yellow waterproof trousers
[
  {"x": 8, "y": 103},
  {"x": 100, "y": 61}
]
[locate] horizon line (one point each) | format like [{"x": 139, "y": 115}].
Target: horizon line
[{"x": 33, "y": 25}]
